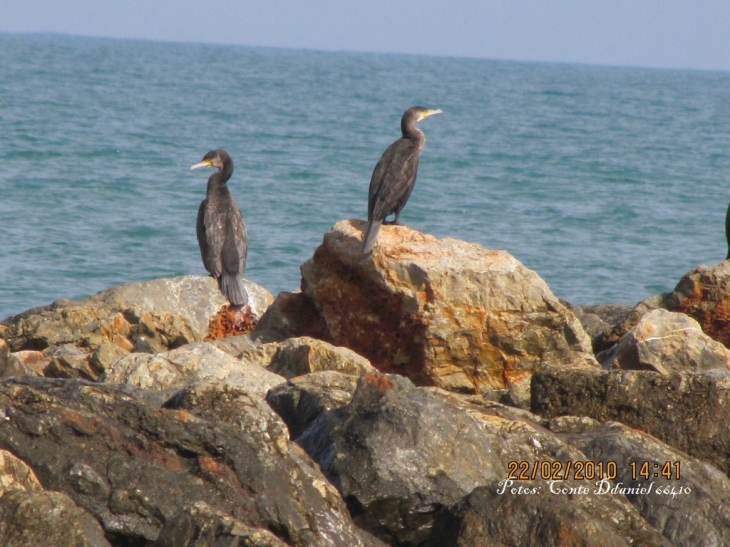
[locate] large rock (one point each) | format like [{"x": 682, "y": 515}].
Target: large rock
[
  {"x": 666, "y": 342},
  {"x": 134, "y": 465},
  {"x": 685, "y": 499},
  {"x": 688, "y": 411},
  {"x": 402, "y": 456},
  {"x": 442, "y": 312},
  {"x": 398, "y": 454},
  {"x": 187, "y": 365},
  {"x": 492, "y": 516},
  {"x": 299, "y": 356},
  {"x": 151, "y": 317}
]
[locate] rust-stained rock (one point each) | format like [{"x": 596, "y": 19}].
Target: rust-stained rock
[
  {"x": 231, "y": 321},
  {"x": 298, "y": 356},
  {"x": 150, "y": 317},
  {"x": 666, "y": 342},
  {"x": 442, "y": 312},
  {"x": 704, "y": 294},
  {"x": 26, "y": 362}
]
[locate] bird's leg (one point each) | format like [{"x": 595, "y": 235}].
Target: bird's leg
[{"x": 394, "y": 221}]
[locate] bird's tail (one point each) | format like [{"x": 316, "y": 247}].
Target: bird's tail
[
  {"x": 233, "y": 289},
  {"x": 372, "y": 233}
]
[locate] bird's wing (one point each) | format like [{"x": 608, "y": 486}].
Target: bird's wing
[
  {"x": 235, "y": 245},
  {"x": 215, "y": 236},
  {"x": 393, "y": 179},
  {"x": 203, "y": 239}
]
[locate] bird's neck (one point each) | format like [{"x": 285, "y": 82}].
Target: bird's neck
[
  {"x": 410, "y": 131},
  {"x": 217, "y": 184}
]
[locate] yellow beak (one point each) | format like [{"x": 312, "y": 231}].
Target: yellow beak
[{"x": 206, "y": 163}]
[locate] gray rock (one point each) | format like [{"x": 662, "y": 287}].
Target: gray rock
[
  {"x": 493, "y": 517},
  {"x": 690, "y": 506},
  {"x": 688, "y": 411},
  {"x": 33, "y": 518},
  {"x": 303, "y": 398},
  {"x": 187, "y": 365},
  {"x": 200, "y": 525},
  {"x": 398, "y": 454}
]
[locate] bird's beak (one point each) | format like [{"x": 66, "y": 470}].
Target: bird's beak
[
  {"x": 432, "y": 112},
  {"x": 205, "y": 163}
]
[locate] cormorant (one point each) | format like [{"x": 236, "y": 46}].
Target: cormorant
[
  {"x": 221, "y": 231},
  {"x": 727, "y": 231},
  {"x": 395, "y": 174}
]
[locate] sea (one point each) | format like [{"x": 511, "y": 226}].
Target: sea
[{"x": 611, "y": 183}]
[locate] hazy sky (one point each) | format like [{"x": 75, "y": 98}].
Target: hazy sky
[{"x": 655, "y": 33}]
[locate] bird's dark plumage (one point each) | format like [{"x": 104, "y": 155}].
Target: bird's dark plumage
[
  {"x": 394, "y": 175},
  {"x": 727, "y": 231},
  {"x": 221, "y": 232}
]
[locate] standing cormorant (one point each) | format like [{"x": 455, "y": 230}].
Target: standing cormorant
[
  {"x": 395, "y": 174},
  {"x": 221, "y": 231},
  {"x": 727, "y": 231}
]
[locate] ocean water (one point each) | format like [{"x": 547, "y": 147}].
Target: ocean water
[{"x": 611, "y": 183}]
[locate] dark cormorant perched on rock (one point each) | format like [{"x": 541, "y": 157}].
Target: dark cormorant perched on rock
[
  {"x": 221, "y": 231},
  {"x": 395, "y": 174},
  {"x": 727, "y": 231}
]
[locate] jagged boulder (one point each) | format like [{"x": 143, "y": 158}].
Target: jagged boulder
[
  {"x": 703, "y": 293},
  {"x": 134, "y": 465},
  {"x": 666, "y": 342},
  {"x": 442, "y": 312},
  {"x": 82, "y": 339},
  {"x": 688, "y": 411},
  {"x": 187, "y": 365},
  {"x": 403, "y": 456}
]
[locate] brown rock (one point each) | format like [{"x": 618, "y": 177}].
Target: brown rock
[
  {"x": 298, "y": 356},
  {"x": 442, "y": 312},
  {"x": 666, "y": 342},
  {"x": 16, "y": 475},
  {"x": 28, "y": 360},
  {"x": 704, "y": 294},
  {"x": 187, "y": 365}
]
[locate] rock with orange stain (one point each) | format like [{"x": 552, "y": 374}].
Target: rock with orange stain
[
  {"x": 666, "y": 342},
  {"x": 231, "y": 321},
  {"x": 442, "y": 312},
  {"x": 81, "y": 339},
  {"x": 703, "y": 293}
]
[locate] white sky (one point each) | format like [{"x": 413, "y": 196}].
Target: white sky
[{"x": 651, "y": 33}]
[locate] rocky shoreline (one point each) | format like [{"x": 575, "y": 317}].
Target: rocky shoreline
[{"x": 432, "y": 393}]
